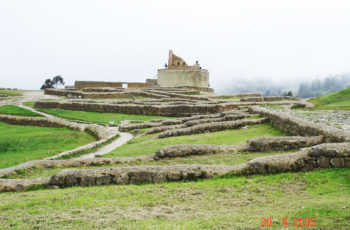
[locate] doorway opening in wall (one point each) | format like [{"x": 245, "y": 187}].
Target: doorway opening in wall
[{"x": 125, "y": 85}]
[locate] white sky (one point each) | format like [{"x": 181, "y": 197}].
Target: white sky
[{"x": 110, "y": 40}]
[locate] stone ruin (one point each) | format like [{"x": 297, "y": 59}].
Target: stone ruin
[
  {"x": 321, "y": 147},
  {"x": 176, "y": 76},
  {"x": 317, "y": 146}
]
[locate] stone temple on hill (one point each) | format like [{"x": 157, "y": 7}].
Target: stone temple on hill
[{"x": 178, "y": 74}]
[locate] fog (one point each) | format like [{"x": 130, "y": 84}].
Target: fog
[{"x": 285, "y": 42}]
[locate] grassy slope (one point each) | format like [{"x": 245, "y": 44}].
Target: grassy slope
[
  {"x": 335, "y": 101},
  {"x": 11, "y": 92},
  {"x": 221, "y": 203},
  {"x": 149, "y": 144},
  {"x": 15, "y": 110},
  {"x": 19, "y": 144},
  {"x": 98, "y": 117}
]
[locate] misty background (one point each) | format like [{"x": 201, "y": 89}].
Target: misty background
[{"x": 268, "y": 46}]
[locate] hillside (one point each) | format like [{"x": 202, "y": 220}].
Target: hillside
[{"x": 335, "y": 101}]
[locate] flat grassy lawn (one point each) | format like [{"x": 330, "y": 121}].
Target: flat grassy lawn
[
  {"x": 98, "y": 117},
  {"x": 219, "y": 203},
  {"x": 11, "y": 92},
  {"x": 15, "y": 110},
  {"x": 334, "y": 101},
  {"x": 19, "y": 144},
  {"x": 150, "y": 144}
]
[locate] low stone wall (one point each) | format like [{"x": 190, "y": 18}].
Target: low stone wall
[
  {"x": 139, "y": 174},
  {"x": 282, "y": 143},
  {"x": 329, "y": 155},
  {"x": 162, "y": 125},
  {"x": 91, "y": 93},
  {"x": 321, "y": 156},
  {"x": 94, "y": 84},
  {"x": 160, "y": 110},
  {"x": 103, "y": 89},
  {"x": 143, "y": 108},
  {"x": 270, "y": 98},
  {"x": 138, "y": 85},
  {"x": 211, "y": 127},
  {"x": 38, "y": 121},
  {"x": 296, "y": 126},
  {"x": 97, "y": 131},
  {"x": 64, "y": 93},
  {"x": 180, "y": 95},
  {"x": 186, "y": 150},
  {"x": 73, "y": 162}
]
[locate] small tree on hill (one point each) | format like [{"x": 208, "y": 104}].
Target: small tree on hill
[
  {"x": 57, "y": 81},
  {"x": 47, "y": 84},
  {"x": 54, "y": 83}
]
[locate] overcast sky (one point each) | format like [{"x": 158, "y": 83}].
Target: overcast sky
[{"x": 110, "y": 40}]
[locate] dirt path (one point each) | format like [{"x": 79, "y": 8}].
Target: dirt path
[
  {"x": 28, "y": 96},
  {"x": 121, "y": 140}
]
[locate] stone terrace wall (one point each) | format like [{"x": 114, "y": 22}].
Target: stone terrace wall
[
  {"x": 270, "y": 98},
  {"x": 296, "y": 126},
  {"x": 180, "y": 109},
  {"x": 93, "y": 84},
  {"x": 136, "y": 85},
  {"x": 103, "y": 89},
  {"x": 160, "y": 110},
  {"x": 333, "y": 155}
]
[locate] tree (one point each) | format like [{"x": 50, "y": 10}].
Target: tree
[
  {"x": 58, "y": 80},
  {"x": 47, "y": 84},
  {"x": 54, "y": 83}
]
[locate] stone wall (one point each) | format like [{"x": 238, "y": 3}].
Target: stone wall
[
  {"x": 94, "y": 84},
  {"x": 178, "y": 77},
  {"x": 98, "y": 131},
  {"x": 261, "y": 144},
  {"x": 103, "y": 89},
  {"x": 297, "y": 126},
  {"x": 175, "y": 109},
  {"x": 332, "y": 155},
  {"x": 158, "y": 110},
  {"x": 138, "y": 85},
  {"x": 270, "y": 98}
]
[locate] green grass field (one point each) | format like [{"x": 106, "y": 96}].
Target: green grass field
[
  {"x": 19, "y": 144},
  {"x": 150, "y": 144},
  {"x": 219, "y": 203},
  {"x": 334, "y": 101},
  {"x": 11, "y": 92},
  {"x": 98, "y": 117},
  {"x": 15, "y": 110}
]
